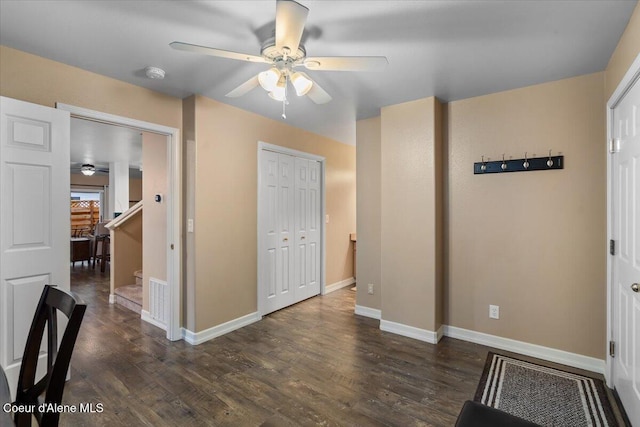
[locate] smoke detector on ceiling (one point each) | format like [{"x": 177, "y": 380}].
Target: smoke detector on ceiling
[{"x": 154, "y": 73}]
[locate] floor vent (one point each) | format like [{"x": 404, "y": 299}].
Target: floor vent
[{"x": 159, "y": 301}]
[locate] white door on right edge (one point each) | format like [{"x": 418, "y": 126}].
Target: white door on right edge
[{"x": 626, "y": 262}]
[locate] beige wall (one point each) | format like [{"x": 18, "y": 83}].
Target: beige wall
[
  {"x": 22, "y": 77},
  {"x": 126, "y": 252},
  {"x": 226, "y": 206},
  {"x": 135, "y": 191},
  {"x": 368, "y": 209},
  {"x": 409, "y": 154},
  {"x": 154, "y": 214},
  {"x": 532, "y": 243},
  {"x": 188, "y": 198},
  {"x": 439, "y": 224},
  {"x": 97, "y": 180},
  {"x": 626, "y": 52}
]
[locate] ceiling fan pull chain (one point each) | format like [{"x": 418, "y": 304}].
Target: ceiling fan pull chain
[
  {"x": 286, "y": 87},
  {"x": 284, "y": 100}
]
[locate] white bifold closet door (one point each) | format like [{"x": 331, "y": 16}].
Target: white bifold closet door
[{"x": 289, "y": 263}]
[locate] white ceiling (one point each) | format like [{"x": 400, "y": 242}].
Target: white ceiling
[
  {"x": 450, "y": 49},
  {"x": 99, "y": 144}
]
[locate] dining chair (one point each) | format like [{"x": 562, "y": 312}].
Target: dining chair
[
  {"x": 52, "y": 300},
  {"x": 101, "y": 242}
]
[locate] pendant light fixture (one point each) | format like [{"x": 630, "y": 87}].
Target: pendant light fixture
[{"x": 88, "y": 169}]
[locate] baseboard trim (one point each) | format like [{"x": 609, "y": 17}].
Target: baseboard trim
[
  {"x": 146, "y": 316},
  {"x": 196, "y": 338},
  {"x": 409, "y": 331},
  {"x": 339, "y": 285},
  {"x": 546, "y": 353},
  {"x": 112, "y": 298},
  {"x": 373, "y": 313}
]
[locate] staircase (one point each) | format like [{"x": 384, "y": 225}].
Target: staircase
[{"x": 130, "y": 296}]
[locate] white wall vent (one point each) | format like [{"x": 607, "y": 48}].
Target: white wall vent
[{"x": 159, "y": 301}]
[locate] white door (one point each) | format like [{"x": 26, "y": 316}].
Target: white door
[
  {"x": 289, "y": 211},
  {"x": 276, "y": 263},
  {"x": 626, "y": 262},
  {"x": 34, "y": 218}
]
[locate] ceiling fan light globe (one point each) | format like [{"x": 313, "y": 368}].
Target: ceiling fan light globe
[
  {"x": 301, "y": 83},
  {"x": 269, "y": 79},
  {"x": 278, "y": 93}
]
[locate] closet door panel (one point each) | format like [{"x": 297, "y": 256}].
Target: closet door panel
[
  {"x": 286, "y": 208},
  {"x": 301, "y": 228},
  {"x": 315, "y": 227},
  {"x": 276, "y": 203}
]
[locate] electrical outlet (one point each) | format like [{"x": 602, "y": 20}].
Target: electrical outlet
[
  {"x": 494, "y": 311},
  {"x": 370, "y": 289}
]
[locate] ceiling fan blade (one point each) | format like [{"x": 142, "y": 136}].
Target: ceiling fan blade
[
  {"x": 317, "y": 94},
  {"x": 245, "y": 87},
  {"x": 216, "y": 52},
  {"x": 290, "y": 19},
  {"x": 346, "y": 63}
]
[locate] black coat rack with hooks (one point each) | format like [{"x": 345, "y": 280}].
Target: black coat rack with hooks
[{"x": 525, "y": 164}]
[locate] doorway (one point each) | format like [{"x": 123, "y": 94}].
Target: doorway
[{"x": 171, "y": 199}]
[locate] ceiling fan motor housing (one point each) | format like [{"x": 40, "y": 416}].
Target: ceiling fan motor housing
[{"x": 270, "y": 52}]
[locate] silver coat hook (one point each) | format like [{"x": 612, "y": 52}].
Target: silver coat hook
[
  {"x": 503, "y": 166},
  {"x": 549, "y": 162},
  {"x": 483, "y": 167},
  {"x": 526, "y": 162}
]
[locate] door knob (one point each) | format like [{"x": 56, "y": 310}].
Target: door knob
[
  {"x": 286, "y": 239},
  {"x": 635, "y": 287}
]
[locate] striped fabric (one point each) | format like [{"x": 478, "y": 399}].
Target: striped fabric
[{"x": 543, "y": 395}]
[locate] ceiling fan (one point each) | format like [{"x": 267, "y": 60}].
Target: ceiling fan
[
  {"x": 285, "y": 53},
  {"x": 89, "y": 169}
]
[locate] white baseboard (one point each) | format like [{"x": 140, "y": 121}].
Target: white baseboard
[
  {"x": 410, "y": 331},
  {"x": 546, "y": 353},
  {"x": 339, "y": 285},
  {"x": 196, "y": 338},
  {"x": 373, "y": 313},
  {"x": 112, "y": 298},
  {"x": 146, "y": 316}
]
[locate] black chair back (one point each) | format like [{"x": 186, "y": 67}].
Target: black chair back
[{"x": 51, "y": 301}]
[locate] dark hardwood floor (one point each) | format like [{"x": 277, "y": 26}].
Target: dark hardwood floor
[{"x": 315, "y": 363}]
